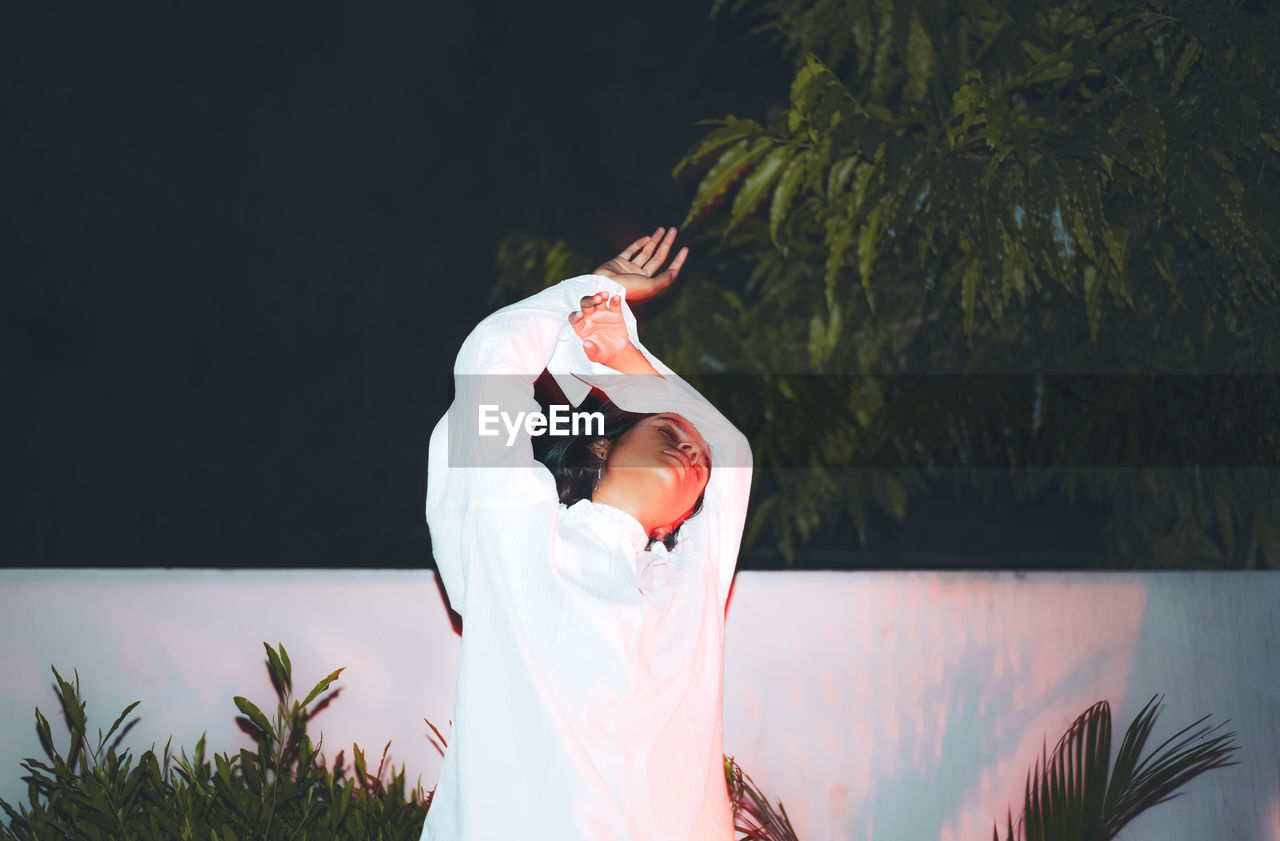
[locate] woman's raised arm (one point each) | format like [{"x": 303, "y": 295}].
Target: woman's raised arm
[{"x": 522, "y": 338}]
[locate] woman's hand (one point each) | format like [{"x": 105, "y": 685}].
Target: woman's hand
[
  {"x": 604, "y": 335},
  {"x": 635, "y": 267},
  {"x": 601, "y": 327}
]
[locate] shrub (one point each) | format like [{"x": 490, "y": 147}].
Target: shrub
[
  {"x": 285, "y": 789},
  {"x": 282, "y": 790}
]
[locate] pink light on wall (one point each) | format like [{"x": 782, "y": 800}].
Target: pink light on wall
[
  {"x": 901, "y": 673},
  {"x": 874, "y": 705}
]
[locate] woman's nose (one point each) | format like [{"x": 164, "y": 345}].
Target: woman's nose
[{"x": 692, "y": 450}]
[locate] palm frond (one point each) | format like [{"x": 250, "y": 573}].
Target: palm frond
[
  {"x": 1073, "y": 793},
  {"x": 1138, "y": 785},
  {"x": 752, "y": 812}
]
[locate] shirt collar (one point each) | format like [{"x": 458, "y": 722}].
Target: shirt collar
[{"x": 628, "y": 528}]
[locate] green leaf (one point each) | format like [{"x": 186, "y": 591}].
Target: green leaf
[
  {"x": 757, "y": 184},
  {"x": 732, "y": 130},
  {"x": 120, "y": 720},
  {"x": 868, "y": 238},
  {"x": 818, "y": 350},
  {"x": 838, "y": 175},
  {"x": 878, "y": 112},
  {"x": 1190, "y": 53},
  {"x": 73, "y": 713},
  {"x": 732, "y": 162},
  {"x": 810, "y": 81},
  {"x": 222, "y": 769},
  {"x": 321, "y": 686},
  {"x": 279, "y": 678},
  {"x": 865, "y": 177},
  {"x": 839, "y": 239},
  {"x": 46, "y": 738},
  {"x": 361, "y": 769},
  {"x": 253, "y": 713},
  {"x": 1083, "y": 236},
  {"x": 788, "y": 183},
  {"x": 802, "y": 91},
  {"x": 288, "y": 667}
]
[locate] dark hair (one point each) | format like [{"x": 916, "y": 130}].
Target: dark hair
[{"x": 576, "y": 468}]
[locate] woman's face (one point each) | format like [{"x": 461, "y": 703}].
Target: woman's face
[{"x": 657, "y": 470}]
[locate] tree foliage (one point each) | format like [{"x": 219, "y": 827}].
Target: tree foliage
[{"x": 1002, "y": 243}]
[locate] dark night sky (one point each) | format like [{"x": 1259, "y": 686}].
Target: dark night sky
[{"x": 248, "y": 241}]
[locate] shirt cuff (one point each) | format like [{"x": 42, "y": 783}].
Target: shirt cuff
[{"x": 570, "y": 358}]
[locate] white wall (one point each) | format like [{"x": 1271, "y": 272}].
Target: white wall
[{"x": 874, "y": 705}]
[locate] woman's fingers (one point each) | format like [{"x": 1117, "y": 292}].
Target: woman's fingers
[
  {"x": 599, "y": 310},
  {"x": 633, "y": 248},
  {"x": 591, "y": 302},
  {"x": 678, "y": 263},
  {"x": 660, "y": 256},
  {"x": 662, "y": 281},
  {"x": 645, "y": 253}
]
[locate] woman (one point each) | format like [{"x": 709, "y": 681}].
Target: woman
[{"x": 589, "y": 686}]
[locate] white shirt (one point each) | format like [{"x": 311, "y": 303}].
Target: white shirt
[{"x": 588, "y": 703}]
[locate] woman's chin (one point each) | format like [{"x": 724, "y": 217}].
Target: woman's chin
[{"x": 673, "y": 475}]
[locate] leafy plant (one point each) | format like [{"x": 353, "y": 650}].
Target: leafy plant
[
  {"x": 1009, "y": 199},
  {"x": 753, "y": 814},
  {"x": 283, "y": 789},
  {"x": 1075, "y": 794},
  {"x": 1072, "y": 187}
]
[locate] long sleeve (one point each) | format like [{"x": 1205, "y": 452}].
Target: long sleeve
[{"x": 472, "y": 478}]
